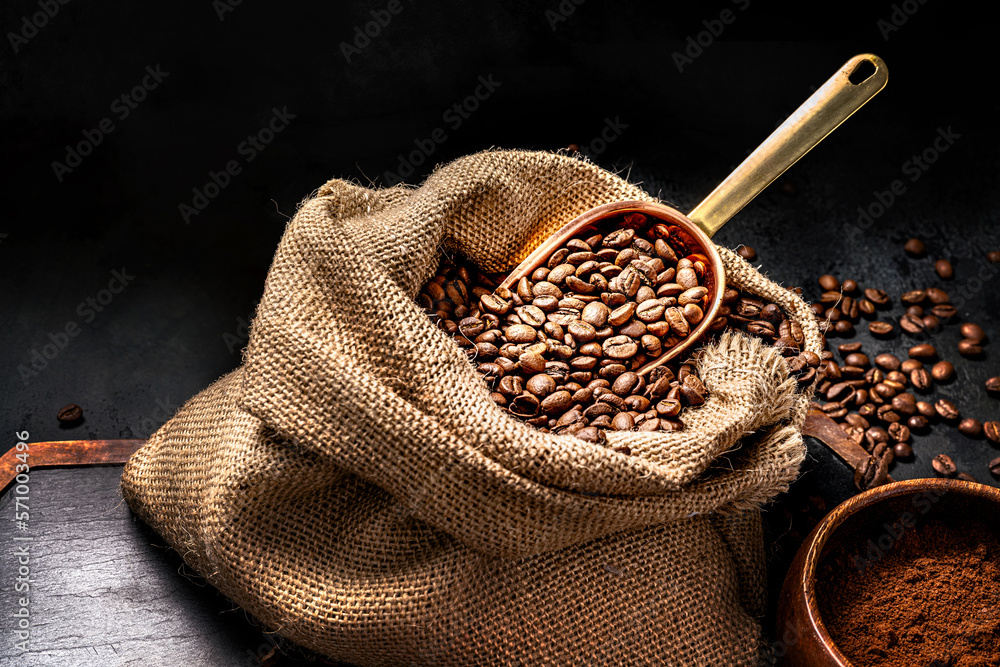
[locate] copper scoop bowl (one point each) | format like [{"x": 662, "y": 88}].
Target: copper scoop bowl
[{"x": 856, "y": 82}]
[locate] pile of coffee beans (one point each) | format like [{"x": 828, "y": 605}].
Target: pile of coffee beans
[{"x": 563, "y": 350}]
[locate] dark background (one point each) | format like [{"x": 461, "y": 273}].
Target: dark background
[{"x": 565, "y": 72}]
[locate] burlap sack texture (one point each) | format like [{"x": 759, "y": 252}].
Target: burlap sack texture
[{"x": 354, "y": 488}]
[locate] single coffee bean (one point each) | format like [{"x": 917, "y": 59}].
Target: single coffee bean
[
  {"x": 556, "y": 402},
  {"x": 926, "y": 409},
  {"x": 626, "y": 384},
  {"x": 917, "y": 422},
  {"x": 914, "y": 297},
  {"x": 910, "y": 365},
  {"x": 877, "y": 296},
  {"x": 921, "y": 379},
  {"x": 946, "y": 409},
  {"x": 887, "y": 362},
  {"x": 995, "y": 463},
  {"x": 973, "y": 332},
  {"x": 943, "y": 371},
  {"x": 915, "y": 248},
  {"x": 871, "y": 472},
  {"x": 623, "y": 421},
  {"x": 857, "y": 359},
  {"x": 916, "y": 311},
  {"x": 944, "y": 269},
  {"x": 880, "y": 328},
  {"x": 931, "y": 323},
  {"x": 886, "y": 414},
  {"x": 844, "y": 328},
  {"x": 911, "y": 323},
  {"x": 848, "y": 348},
  {"x": 969, "y": 348},
  {"x": 70, "y": 413},
  {"x": 902, "y": 450},
  {"x": 899, "y": 432},
  {"x": 993, "y": 384},
  {"x": 945, "y": 311},
  {"x": 857, "y": 421},
  {"x": 620, "y": 347},
  {"x": 866, "y": 307},
  {"x": 970, "y": 427},
  {"x": 993, "y": 256},
  {"x": 829, "y": 283},
  {"x": 525, "y": 405},
  {"x": 991, "y": 430},
  {"x": 924, "y": 351},
  {"x": 541, "y": 384},
  {"x": 944, "y": 466},
  {"x": 746, "y": 252},
  {"x": 904, "y": 404}
]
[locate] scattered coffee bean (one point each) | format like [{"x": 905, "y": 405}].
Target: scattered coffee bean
[
  {"x": 943, "y": 371},
  {"x": 944, "y": 465},
  {"x": 887, "y": 362},
  {"x": 877, "y": 296},
  {"x": 920, "y": 379},
  {"x": 970, "y": 427},
  {"x": 991, "y": 430},
  {"x": 969, "y": 348},
  {"x": 911, "y": 365},
  {"x": 880, "y": 328},
  {"x": 926, "y": 409},
  {"x": 924, "y": 351},
  {"x": 915, "y": 248},
  {"x": 995, "y": 467},
  {"x": 70, "y": 414},
  {"x": 917, "y": 423},
  {"x": 973, "y": 332},
  {"x": 871, "y": 472},
  {"x": 747, "y": 253},
  {"x": 946, "y": 409},
  {"x": 903, "y": 450},
  {"x": 944, "y": 269},
  {"x": 993, "y": 384},
  {"x": 829, "y": 283},
  {"x": 911, "y": 324},
  {"x": 993, "y": 256}
]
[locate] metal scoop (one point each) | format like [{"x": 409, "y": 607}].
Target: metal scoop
[{"x": 845, "y": 92}]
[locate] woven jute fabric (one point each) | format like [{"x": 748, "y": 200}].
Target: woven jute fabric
[{"x": 354, "y": 487}]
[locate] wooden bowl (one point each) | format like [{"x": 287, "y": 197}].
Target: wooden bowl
[{"x": 802, "y": 639}]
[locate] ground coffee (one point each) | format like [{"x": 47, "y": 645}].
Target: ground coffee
[{"x": 932, "y": 599}]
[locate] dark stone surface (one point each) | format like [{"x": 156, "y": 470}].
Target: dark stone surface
[{"x": 105, "y": 595}]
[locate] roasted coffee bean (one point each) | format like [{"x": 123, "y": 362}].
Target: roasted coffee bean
[
  {"x": 917, "y": 422},
  {"x": 623, "y": 421},
  {"x": 904, "y": 404},
  {"x": 945, "y": 311},
  {"x": 877, "y": 296},
  {"x": 921, "y": 379},
  {"x": 924, "y": 351},
  {"x": 747, "y": 253},
  {"x": 887, "y": 415},
  {"x": 969, "y": 348},
  {"x": 970, "y": 427},
  {"x": 995, "y": 463},
  {"x": 556, "y": 402},
  {"x": 943, "y": 371},
  {"x": 915, "y": 310},
  {"x": 866, "y": 307},
  {"x": 541, "y": 384},
  {"x": 946, "y": 409},
  {"x": 902, "y": 450},
  {"x": 931, "y": 323},
  {"x": 915, "y": 248},
  {"x": 926, "y": 409},
  {"x": 857, "y": 359},
  {"x": 620, "y": 347},
  {"x": 944, "y": 269},
  {"x": 993, "y": 256},
  {"x": 70, "y": 413},
  {"x": 668, "y": 408},
  {"x": 911, "y": 323},
  {"x": 910, "y": 365},
  {"x": 973, "y": 332},
  {"x": 857, "y": 421},
  {"x": 944, "y": 466},
  {"x": 525, "y": 405},
  {"x": 627, "y": 383},
  {"x": 878, "y": 328},
  {"x": 991, "y": 430},
  {"x": 887, "y": 362},
  {"x": 848, "y": 348},
  {"x": 914, "y": 297},
  {"x": 871, "y": 472},
  {"x": 898, "y": 432},
  {"x": 829, "y": 283},
  {"x": 993, "y": 384},
  {"x": 844, "y": 328}
]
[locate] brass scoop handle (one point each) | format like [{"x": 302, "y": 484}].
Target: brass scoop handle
[{"x": 821, "y": 114}]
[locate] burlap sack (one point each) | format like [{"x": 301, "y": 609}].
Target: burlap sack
[{"x": 355, "y": 489}]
